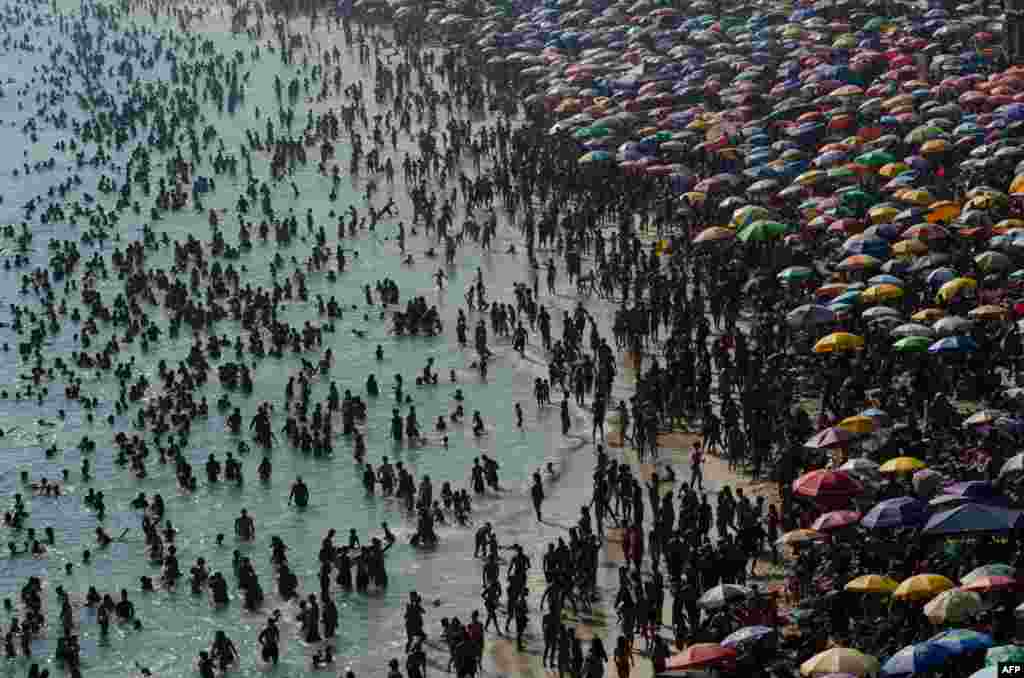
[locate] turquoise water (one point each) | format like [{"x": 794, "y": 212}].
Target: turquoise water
[{"x": 178, "y": 625}]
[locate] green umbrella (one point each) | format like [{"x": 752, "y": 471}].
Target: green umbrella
[
  {"x": 857, "y": 198},
  {"x": 875, "y": 158},
  {"x": 875, "y": 23},
  {"x": 924, "y": 133},
  {"x": 762, "y": 230},
  {"x": 913, "y": 345},
  {"x": 1004, "y": 653},
  {"x": 795, "y": 273}
]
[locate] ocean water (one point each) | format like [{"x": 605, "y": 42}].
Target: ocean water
[{"x": 176, "y": 624}]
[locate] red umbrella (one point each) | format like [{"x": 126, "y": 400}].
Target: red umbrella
[
  {"x": 824, "y": 484},
  {"x": 834, "y": 520},
  {"x": 994, "y": 583},
  {"x": 700, "y": 654},
  {"x": 835, "y": 436}
]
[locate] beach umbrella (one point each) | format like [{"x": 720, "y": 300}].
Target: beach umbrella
[
  {"x": 859, "y": 424},
  {"x": 1004, "y": 654},
  {"x": 714, "y": 234},
  {"x": 972, "y": 518},
  {"x": 952, "y": 325},
  {"x": 912, "y": 345},
  {"x": 840, "y": 660},
  {"x": 799, "y": 537},
  {"x": 839, "y": 342},
  {"x": 748, "y": 634},
  {"x": 960, "y": 641},
  {"x": 957, "y": 344},
  {"x": 992, "y": 261},
  {"x": 909, "y": 248},
  {"x": 827, "y": 486},
  {"x": 990, "y": 570},
  {"x": 723, "y": 595},
  {"x": 917, "y": 658},
  {"x": 896, "y": 512},
  {"x": 881, "y": 312},
  {"x": 859, "y": 262},
  {"x": 952, "y": 606},
  {"x": 875, "y": 159},
  {"x": 986, "y": 672},
  {"x": 988, "y": 583},
  {"x": 884, "y": 292},
  {"x": 972, "y": 489},
  {"x": 762, "y": 231},
  {"x": 872, "y": 583},
  {"x": 912, "y": 330},
  {"x": 902, "y": 465},
  {"x": 699, "y": 654},
  {"x": 810, "y": 315},
  {"x": 928, "y": 315},
  {"x": 835, "y": 520},
  {"x": 834, "y": 436},
  {"x": 922, "y": 587},
  {"x": 955, "y": 288},
  {"x": 793, "y": 274},
  {"x": 1014, "y": 464},
  {"x": 943, "y": 210},
  {"x": 988, "y": 312}
]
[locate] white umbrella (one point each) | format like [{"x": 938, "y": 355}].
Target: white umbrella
[
  {"x": 912, "y": 330},
  {"x": 723, "y": 595}
]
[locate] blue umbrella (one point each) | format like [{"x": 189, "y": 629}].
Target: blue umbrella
[
  {"x": 959, "y": 641},
  {"x": 975, "y": 489},
  {"x": 917, "y": 658},
  {"x": 971, "y": 518},
  {"x": 746, "y": 635},
  {"x": 957, "y": 344},
  {"x": 898, "y": 512}
]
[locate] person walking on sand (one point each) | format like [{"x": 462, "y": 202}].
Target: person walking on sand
[
  {"x": 537, "y": 494},
  {"x": 697, "y": 467}
]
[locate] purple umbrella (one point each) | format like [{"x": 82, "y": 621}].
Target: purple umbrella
[
  {"x": 975, "y": 489},
  {"x": 898, "y": 512}
]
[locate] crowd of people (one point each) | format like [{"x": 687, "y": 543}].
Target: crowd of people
[{"x": 720, "y": 328}]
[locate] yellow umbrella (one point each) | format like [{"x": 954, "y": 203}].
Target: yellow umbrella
[
  {"x": 906, "y": 248},
  {"x": 955, "y": 287},
  {"x": 858, "y": 424},
  {"x": 986, "y": 201},
  {"x": 838, "y": 342},
  {"x": 988, "y": 312},
  {"x": 902, "y": 465},
  {"x": 799, "y": 536},
  {"x": 893, "y": 169},
  {"x": 922, "y": 587},
  {"x": 916, "y": 196},
  {"x": 934, "y": 146},
  {"x": 882, "y": 214},
  {"x": 695, "y": 197},
  {"x": 928, "y": 315},
  {"x": 1007, "y": 224},
  {"x": 1017, "y": 187},
  {"x": 810, "y": 178},
  {"x": 883, "y": 292},
  {"x": 872, "y": 583},
  {"x": 840, "y": 660},
  {"x": 943, "y": 210}
]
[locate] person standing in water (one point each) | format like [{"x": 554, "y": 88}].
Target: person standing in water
[{"x": 299, "y": 493}]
